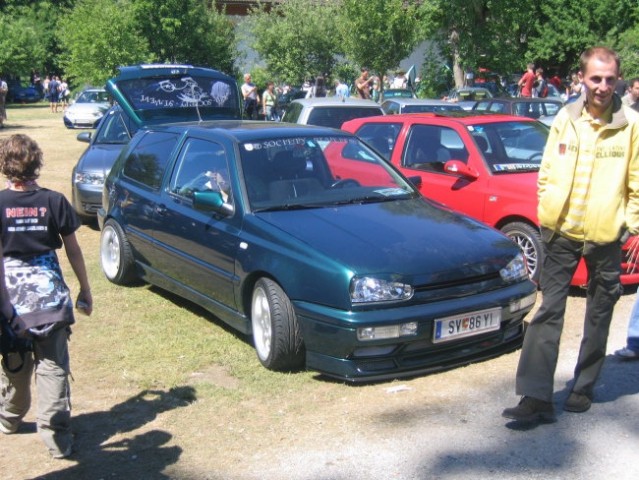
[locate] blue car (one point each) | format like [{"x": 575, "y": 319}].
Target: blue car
[{"x": 307, "y": 240}]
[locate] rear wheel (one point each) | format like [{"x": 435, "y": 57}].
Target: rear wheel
[
  {"x": 116, "y": 255},
  {"x": 276, "y": 332},
  {"x": 529, "y": 240}
]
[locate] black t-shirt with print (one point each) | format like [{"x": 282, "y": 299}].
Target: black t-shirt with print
[{"x": 33, "y": 222}]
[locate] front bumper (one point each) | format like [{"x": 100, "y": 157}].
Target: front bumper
[
  {"x": 332, "y": 347},
  {"x": 87, "y": 199}
]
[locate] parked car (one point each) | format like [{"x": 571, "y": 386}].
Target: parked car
[
  {"x": 553, "y": 92},
  {"x": 105, "y": 144},
  {"x": 485, "y": 166},
  {"x": 542, "y": 109},
  {"x": 329, "y": 111},
  {"x": 418, "y": 105},
  {"x": 307, "y": 239},
  {"x": 396, "y": 93},
  {"x": 87, "y": 109},
  {"x": 467, "y": 96},
  {"x": 19, "y": 93}
]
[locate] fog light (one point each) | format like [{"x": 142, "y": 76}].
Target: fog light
[
  {"x": 387, "y": 331},
  {"x": 523, "y": 303}
]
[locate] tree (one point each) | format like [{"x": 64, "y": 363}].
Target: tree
[
  {"x": 187, "y": 31},
  {"x": 379, "y": 34},
  {"x": 25, "y": 37},
  {"x": 296, "y": 38},
  {"x": 566, "y": 29},
  {"x": 628, "y": 49},
  {"x": 93, "y": 46},
  {"x": 480, "y": 33}
]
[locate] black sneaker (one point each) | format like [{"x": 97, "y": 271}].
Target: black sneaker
[
  {"x": 531, "y": 410},
  {"x": 577, "y": 403}
]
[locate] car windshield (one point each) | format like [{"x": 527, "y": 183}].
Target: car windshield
[
  {"x": 115, "y": 128},
  {"x": 93, "y": 96},
  {"x": 511, "y": 146},
  {"x": 317, "y": 172}
]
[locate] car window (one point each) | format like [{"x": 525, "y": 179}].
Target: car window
[
  {"x": 201, "y": 166},
  {"x": 390, "y": 107},
  {"x": 511, "y": 146},
  {"x": 292, "y": 113},
  {"x": 427, "y": 148},
  {"x": 317, "y": 172},
  {"x": 380, "y": 136},
  {"x": 552, "y": 108},
  {"x": 497, "y": 107},
  {"x": 115, "y": 128},
  {"x": 147, "y": 161},
  {"x": 334, "y": 117}
]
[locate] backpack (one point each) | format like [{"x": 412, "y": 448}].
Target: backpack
[{"x": 543, "y": 91}]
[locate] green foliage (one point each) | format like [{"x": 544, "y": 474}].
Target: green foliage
[
  {"x": 628, "y": 49},
  {"x": 24, "y": 38},
  {"x": 565, "y": 29},
  {"x": 296, "y": 39},
  {"x": 187, "y": 31},
  {"x": 378, "y": 34},
  {"x": 93, "y": 46}
]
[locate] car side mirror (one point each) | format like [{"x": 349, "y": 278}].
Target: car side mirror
[
  {"x": 458, "y": 167},
  {"x": 212, "y": 202},
  {"x": 84, "y": 137}
]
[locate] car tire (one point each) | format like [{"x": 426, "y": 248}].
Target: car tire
[
  {"x": 528, "y": 239},
  {"x": 276, "y": 333},
  {"x": 116, "y": 256}
]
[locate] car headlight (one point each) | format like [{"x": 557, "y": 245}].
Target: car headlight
[
  {"x": 371, "y": 290},
  {"x": 89, "y": 178},
  {"x": 515, "y": 270}
]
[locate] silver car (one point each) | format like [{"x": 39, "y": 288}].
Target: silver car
[
  {"x": 330, "y": 111},
  {"x": 87, "y": 109}
]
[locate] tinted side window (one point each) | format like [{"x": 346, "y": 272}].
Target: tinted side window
[
  {"x": 334, "y": 117},
  {"x": 292, "y": 113},
  {"x": 147, "y": 161},
  {"x": 380, "y": 136}
]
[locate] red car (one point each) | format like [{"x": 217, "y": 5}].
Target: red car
[{"x": 482, "y": 165}]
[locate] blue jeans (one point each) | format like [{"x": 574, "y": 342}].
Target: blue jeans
[{"x": 633, "y": 326}]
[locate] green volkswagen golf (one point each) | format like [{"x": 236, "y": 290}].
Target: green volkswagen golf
[{"x": 306, "y": 239}]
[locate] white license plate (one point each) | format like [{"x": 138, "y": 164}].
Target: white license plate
[{"x": 466, "y": 325}]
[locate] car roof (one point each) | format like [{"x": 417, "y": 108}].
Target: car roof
[
  {"x": 463, "y": 117},
  {"x": 418, "y": 101},
  {"x": 243, "y": 130},
  {"x": 522, "y": 100},
  {"x": 336, "y": 102}
]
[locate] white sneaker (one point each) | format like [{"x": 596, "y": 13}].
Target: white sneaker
[
  {"x": 626, "y": 353},
  {"x": 10, "y": 429},
  {"x": 65, "y": 454}
]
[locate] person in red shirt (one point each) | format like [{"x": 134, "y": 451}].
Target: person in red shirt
[{"x": 526, "y": 81}]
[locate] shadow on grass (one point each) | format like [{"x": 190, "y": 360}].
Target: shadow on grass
[{"x": 144, "y": 455}]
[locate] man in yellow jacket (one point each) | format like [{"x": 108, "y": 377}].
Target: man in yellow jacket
[{"x": 588, "y": 203}]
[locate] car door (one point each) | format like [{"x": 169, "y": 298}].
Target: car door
[
  {"x": 427, "y": 148},
  {"x": 196, "y": 249}
]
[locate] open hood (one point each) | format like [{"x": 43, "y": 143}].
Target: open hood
[{"x": 163, "y": 93}]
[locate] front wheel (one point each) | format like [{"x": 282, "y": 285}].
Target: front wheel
[
  {"x": 276, "y": 332},
  {"x": 528, "y": 239},
  {"x": 116, "y": 255}
]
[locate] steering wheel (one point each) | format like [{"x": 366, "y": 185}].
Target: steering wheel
[
  {"x": 345, "y": 183},
  {"x": 535, "y": 156}
]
